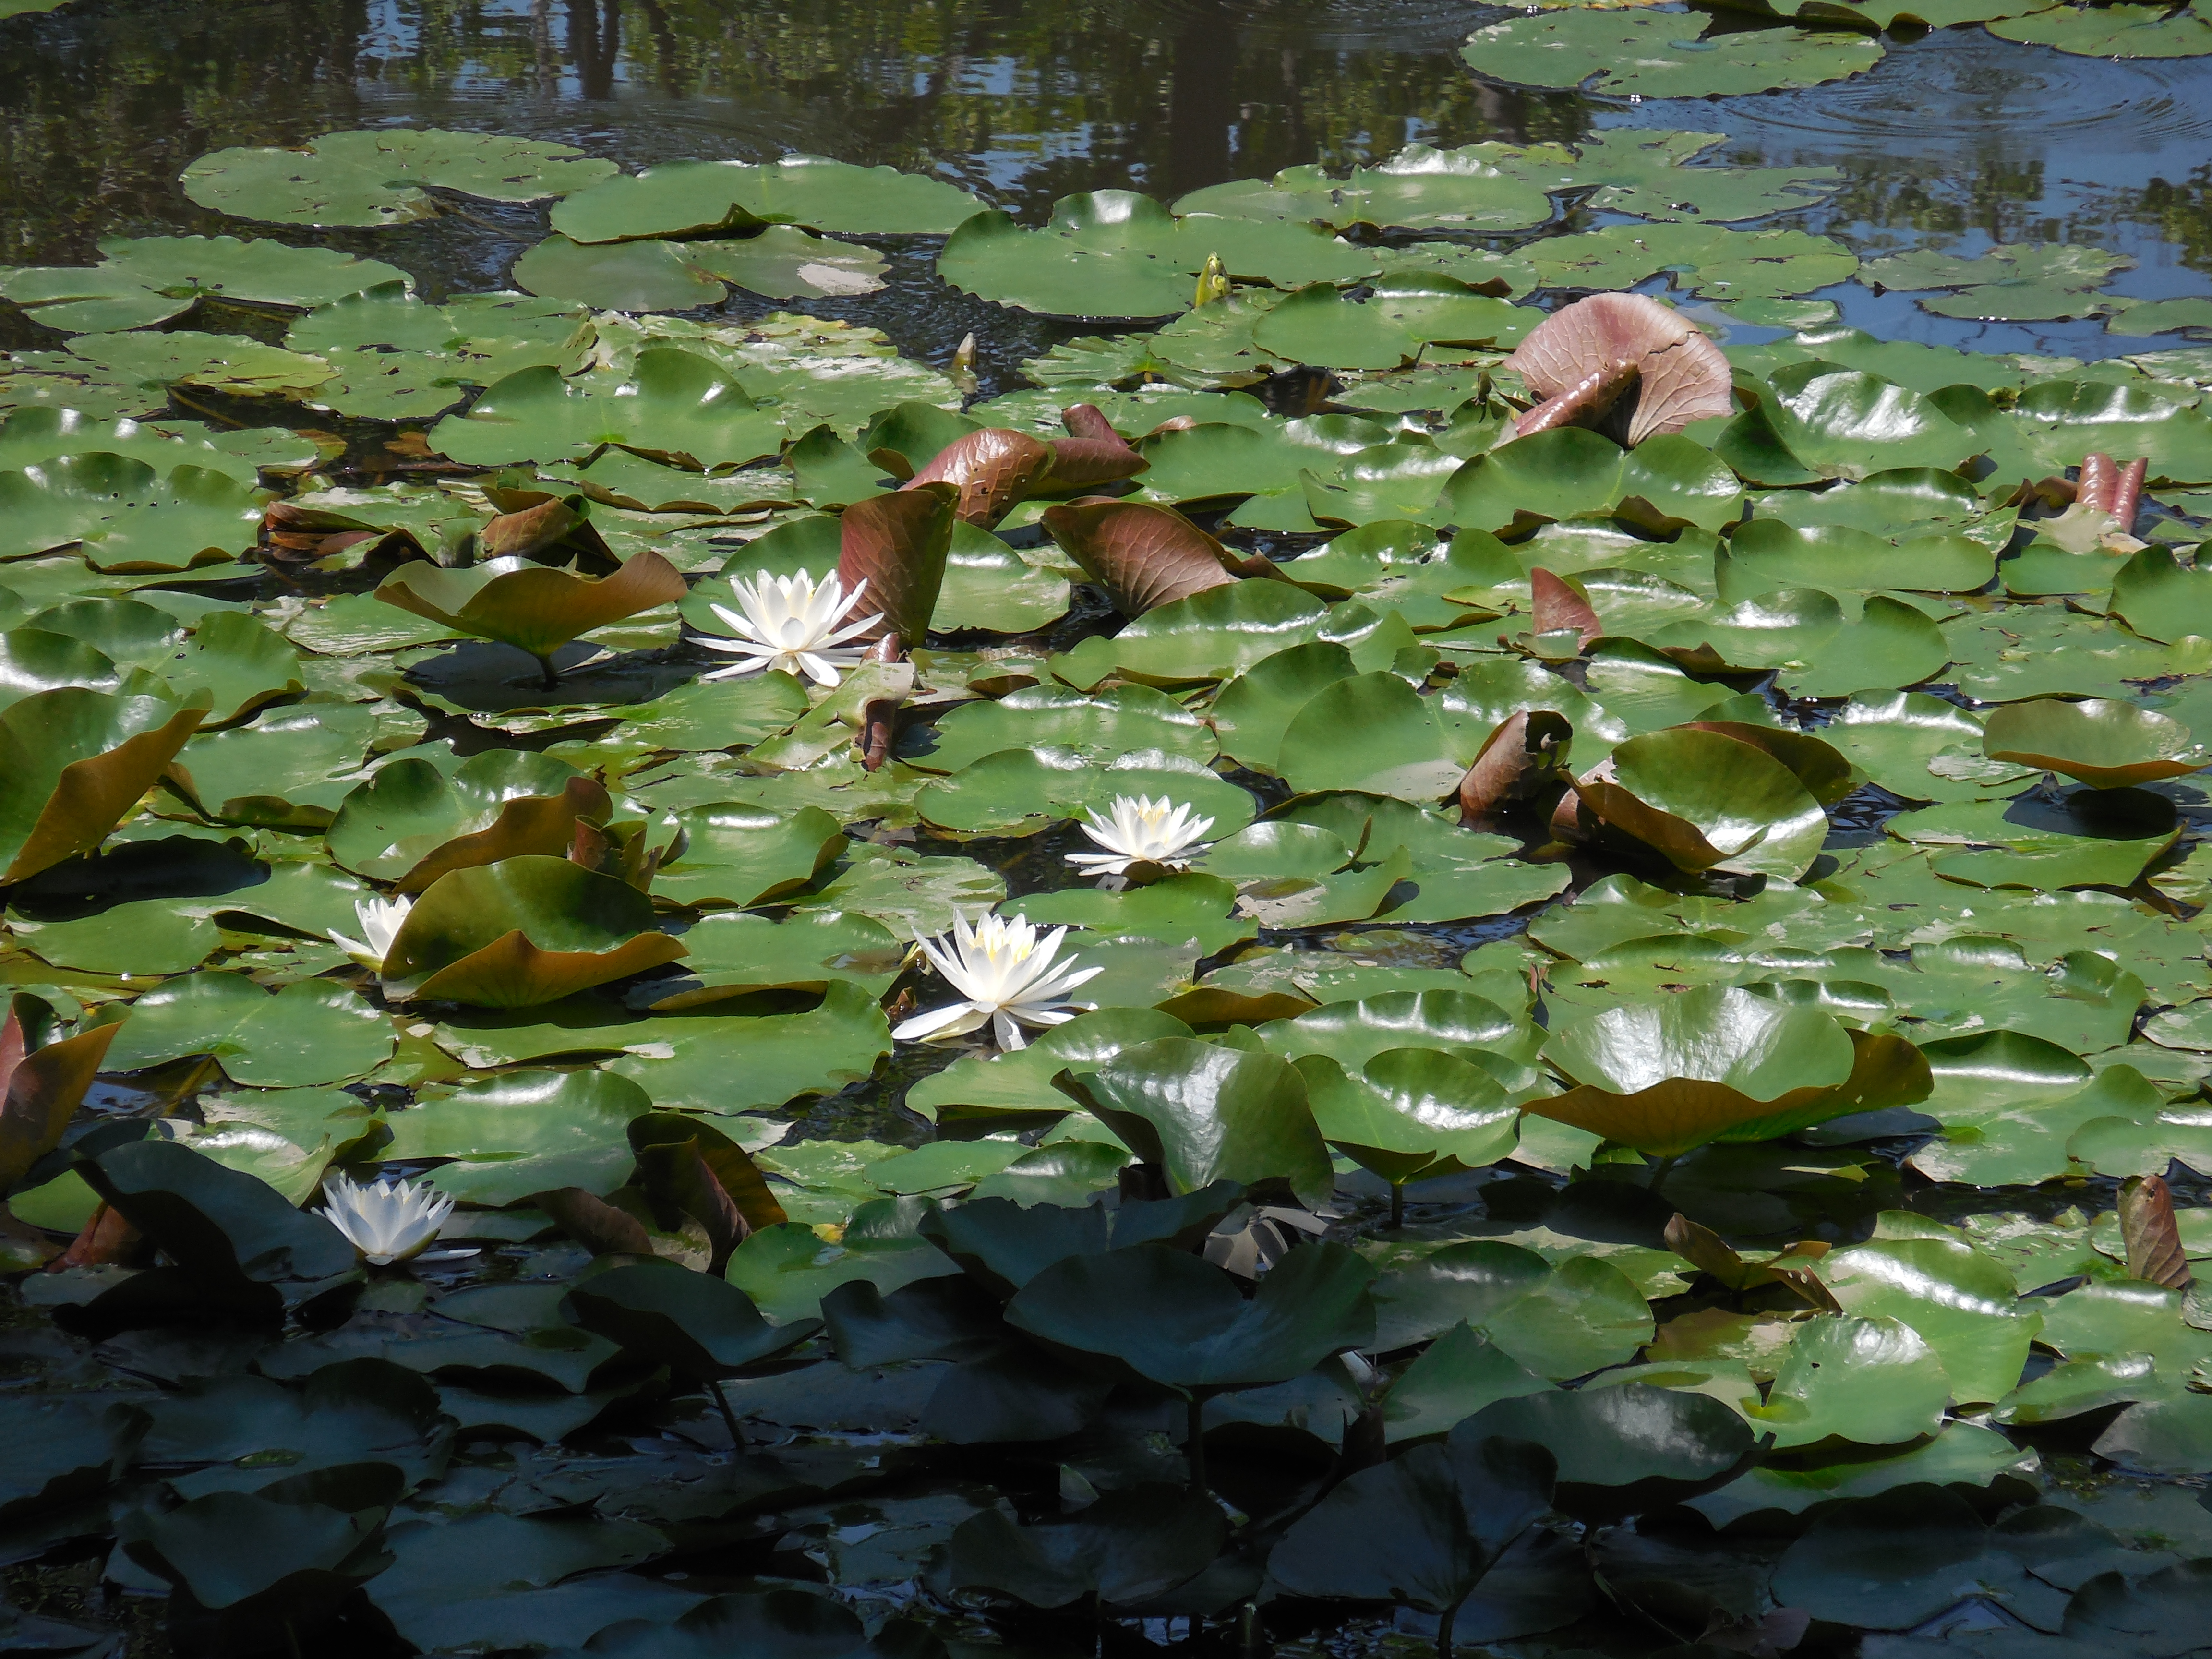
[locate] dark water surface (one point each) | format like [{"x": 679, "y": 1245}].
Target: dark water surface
[{"x": 1958, "y": 138}]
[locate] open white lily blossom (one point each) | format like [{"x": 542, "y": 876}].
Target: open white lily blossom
[
  {"x": 387, "y": 1221},
  {"x": 379, "y": 920},
  {"x": 1008, "y": 976},
  {"x": 1142, "y": 830},
  {"x": 791, "y": 622}
]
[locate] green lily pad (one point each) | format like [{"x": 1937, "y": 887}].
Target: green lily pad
[
  {"x": 1206, "y": 1114},
  {"x": 1657, "y": 175},
  {"x": 2104, "y": 744},
  {"x": 1710, "y": 260},
  {"x": 1960, "y": 1301},
  {"x": 1870, "y": 1381},
  {"x": 1841, "y": 423},
  {"x": 143, "y": 280},
  {"x": 1569, "y": 473},
  {"x": 2113, "y": 31},
  {"x": 675, "y": 406},
  {"x": 1426, "y": 1528},
  {"x": 1719, "y": 1063},
  {"x": 413, "y": 821},
  {"x": 708, "y": 198},
  {"x": 1179, "y": 1321},
  {"x": 735, "y": 854},
  {"x": 1207, "y": 637},
  {"x": 1115, "y": 253},
  {"x": 377, "y": 178},
  {"x": 2012, "y": 281},
  {"x": 311, "y": 1032},
  {"x": 1418, "y": 189},
  {"x": 73, "y": 763},
  {"x": 1659, "y": 55},
  {"x": 1098, "y": 726},
  {"x": 521, "y": 932},
  {"x": 127, "y": 516}
]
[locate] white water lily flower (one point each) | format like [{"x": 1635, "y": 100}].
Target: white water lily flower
[
  {"x": 379, "y": 920},
  {"x": 387, "y": 1221},
  {"x": 1007, "y": 975},
  {"x": 791, "y": 622},
  {"x": 1142, "y": 830}
]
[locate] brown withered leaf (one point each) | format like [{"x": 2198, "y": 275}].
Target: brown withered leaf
[
  {"x": 897, "y": 544},
  {"x": 1521, "y": 757},
  {"x": 40, "y": 1086},
  {"x": 879, "y": 715},
  {"x": 1089, "y": 421},
  {"x": 1144, "y": 556},
  {"x": 2127, "y": 494},
  {"x": 546, "y": 529},
  {"x": 1087, "y": 463},
  {"x": 2151, "y": 1235},
  {"x": 2099, "y": 479},
  {"x": 994, "y": 469},
  {"x": 597, "y": 1225},
  {"x": 677, "y": 1182},
  {"x": 1586, "y": 403},
  {"x": 1559, "y": 605},
  {"x": 106, "y": 1240},
  {"x": 1680, "y": 376}
]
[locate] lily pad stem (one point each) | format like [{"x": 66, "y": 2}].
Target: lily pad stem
[
  {"x": 1660, "y": 1170},
  {"x": 1194, "y": 1446},
  {"x": 551, "y": 676},
  {"x": 729, "y": 1417},
  {"x": 1444, "y": 1631},
  {"x": 1397, "y": 1204}
]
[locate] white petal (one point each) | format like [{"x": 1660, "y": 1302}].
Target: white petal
[{"x": 957, "y": 1020}]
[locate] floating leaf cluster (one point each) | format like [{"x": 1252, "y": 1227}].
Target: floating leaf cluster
[{"x": 1499, "y": 968}]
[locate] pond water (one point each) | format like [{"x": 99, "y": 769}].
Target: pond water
[
  {"x": 1957, "y": 139},
  {"x": 1866, "y": 936}
]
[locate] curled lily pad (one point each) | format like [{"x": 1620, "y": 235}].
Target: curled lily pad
[
  {"x": 376, "y": 177},
  {"x": 412, "y": 822},
  {"x": 1717, "y": 1063},
  {"x": 2104, "y": 744},
  {"x": 523, "y": 931},
  {"x": 73, "y": 763},
  {"x": 898, "y": 544},
  {"x": 1680, "y": 376},
  {"x": 1654, "y": 54},
  {"x": 1699, "y": 799},
  {"x": 530, "y": 606}
]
